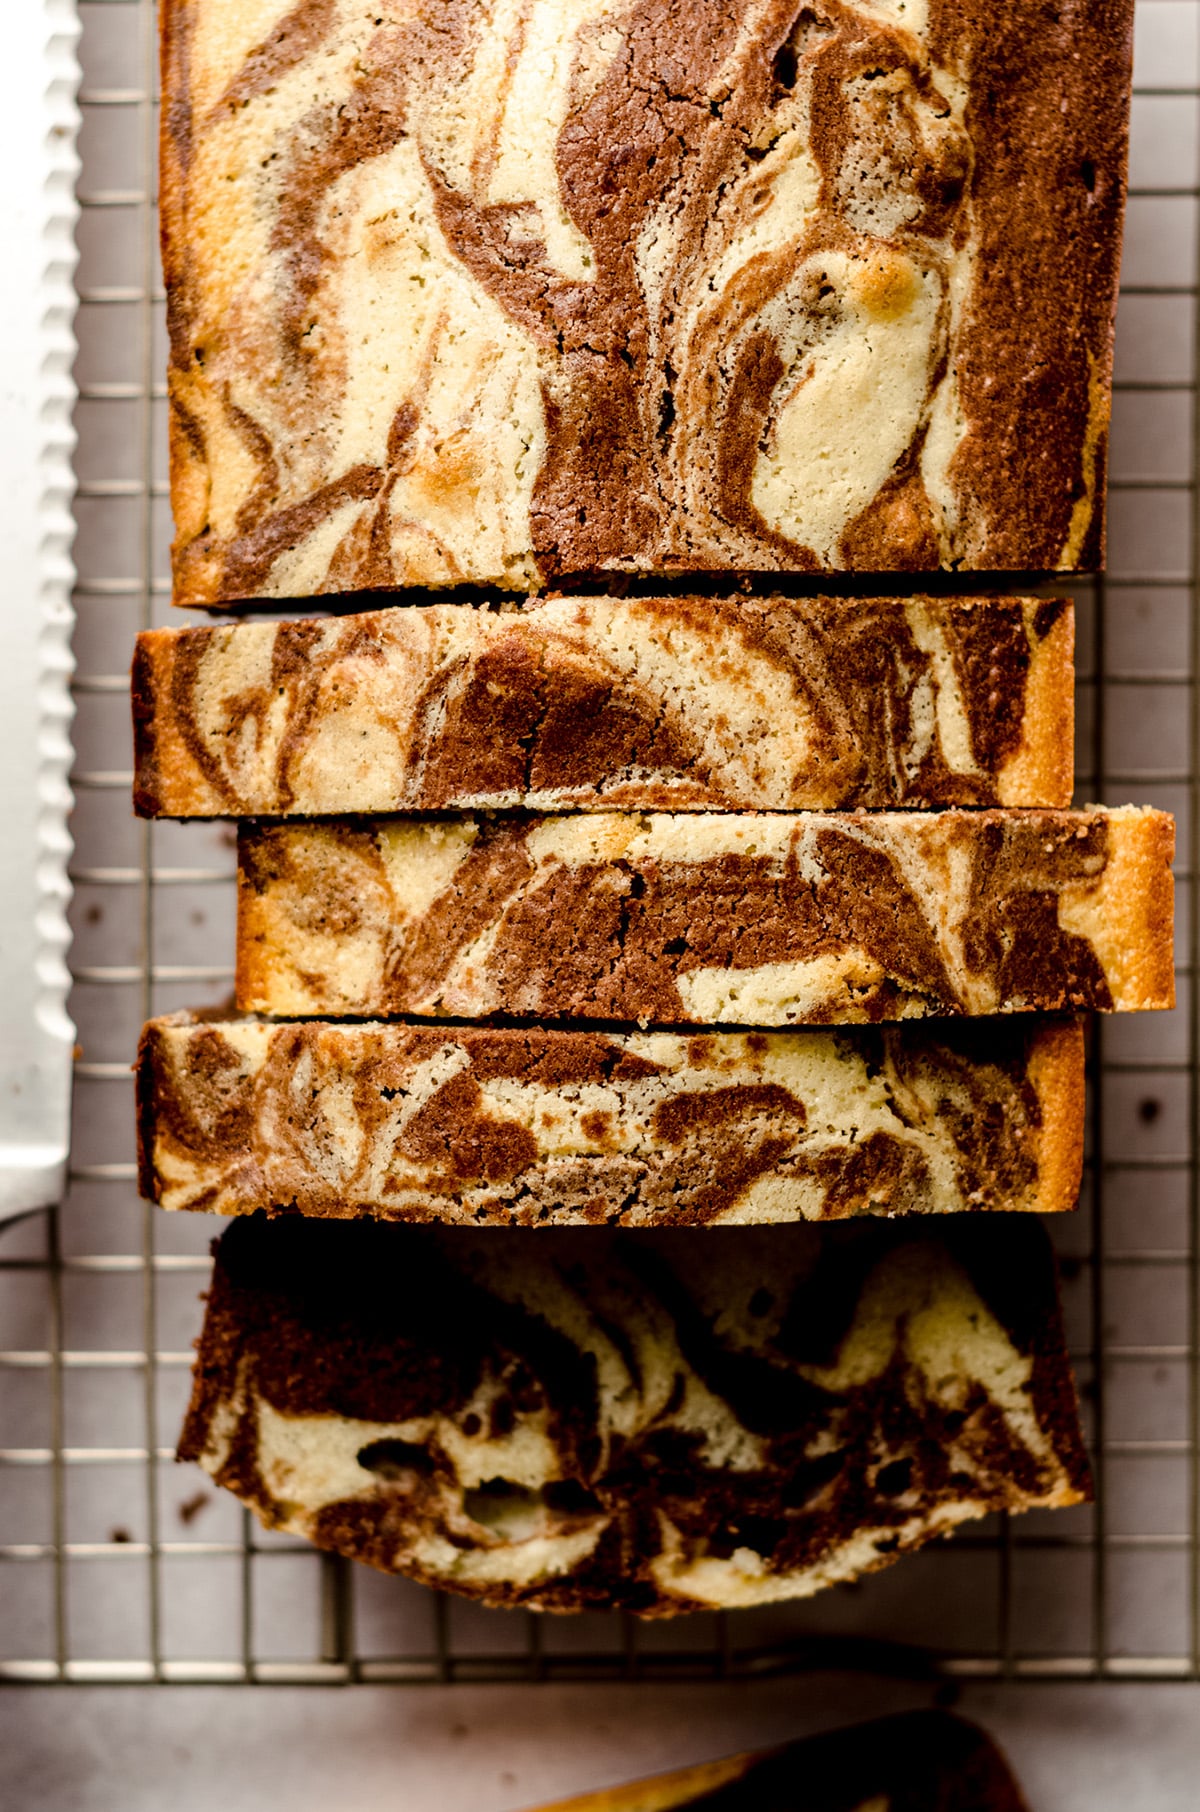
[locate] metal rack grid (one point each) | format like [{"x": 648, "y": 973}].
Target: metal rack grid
[{"x": 118, "y": 1565}]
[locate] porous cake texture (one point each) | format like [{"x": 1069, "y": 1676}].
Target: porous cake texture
[
  {"x": 590, "y": 703},
  {"x": 589, "y": 1420},
  {"x": 524, "y": 1127},
  {"x": 760, "y": 919},
  {"x": 494, "y": 294},
  {"x": 916, "y": 1761}
]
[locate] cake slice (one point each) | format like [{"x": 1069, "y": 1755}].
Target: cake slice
[
  {"x": 591, "y": 703},
  {"x": 915, "y": 1761},
  {"x": 475, "y": 294},
  {"x": 575, "y": 1420},
  {"x": 760, "y": 919},
  {"x": 524, "y": 1126}
]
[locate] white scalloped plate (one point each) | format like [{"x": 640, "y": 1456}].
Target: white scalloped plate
[{"x": 37, "y": 149}]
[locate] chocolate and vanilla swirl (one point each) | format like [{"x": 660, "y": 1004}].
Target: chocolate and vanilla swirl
[{"x": 487, "y": 292}]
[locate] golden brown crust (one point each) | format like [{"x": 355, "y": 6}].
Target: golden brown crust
[
  {"x": 1130, "y": 916},
  {"x": 1056, "y": 1070},
  {"x": 1042, "y": 769},
  {"x": 189, "y": 474}
]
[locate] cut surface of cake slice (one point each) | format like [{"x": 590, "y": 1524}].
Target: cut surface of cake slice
[
  {"x": 465, "y": 294},
  {"x": 575, "y": 1420},
  {"x": 703, "y": 918},
  {"x": 588, "y": 704},
  {"x": 915, "y": 1761},
  {"x": 514, "y": 1126}
]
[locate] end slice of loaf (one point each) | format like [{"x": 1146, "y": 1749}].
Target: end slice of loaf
[
  {"x": 587, "y": 704},
  {"x": 759, "y": 919},
  {"x": 587, "y": 1420},
  {"x": 722, "y": 288},
  {"x": 515, "y": 1126}
]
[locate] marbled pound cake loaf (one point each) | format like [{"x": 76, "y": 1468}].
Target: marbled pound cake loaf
[
  {"x": 588, "y": 703},
  {"x": 916, "y": 1761},
  {"x": 483, "y": 293},
  {"x": 510, "y": 1126},
  {"x": 708, "y": 919},
  {"x": 577, "y": 1420}
]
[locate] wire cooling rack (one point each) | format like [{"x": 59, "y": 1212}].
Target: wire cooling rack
[{"x": 117, "y": 1564}]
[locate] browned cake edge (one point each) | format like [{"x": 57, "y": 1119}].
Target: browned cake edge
[
  {"x": 1056, "y": 1069},
  {"x": 1044, "y": 766},
  {"x": 1134, "y": 909},
  {"x": 189, "y": 483},
  {"x": 157, "y": 793}
]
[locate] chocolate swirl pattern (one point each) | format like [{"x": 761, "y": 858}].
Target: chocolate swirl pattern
[
  {"x": 566, "y": 1420},
  {"x": 507, "y": 1127},
  {"x": 760, "y": 919},
  {"x": 500, "y": 291},
  {"x": 591, "y": 703}
]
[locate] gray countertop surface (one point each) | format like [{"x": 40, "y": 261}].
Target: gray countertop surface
[{"x": 1076, "y": 1747}]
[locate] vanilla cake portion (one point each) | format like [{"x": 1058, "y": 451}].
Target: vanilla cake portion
[
  {"x": 583, "y": 1420},
  {"x": 914, "y": 1761},
  {"x": 759, "y": 919},
  {"x": 478, "y": 293},
  {"x": 509, "y": 1126},
  {"x": 591, "y": 703}
]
